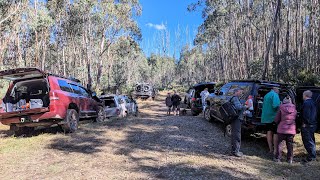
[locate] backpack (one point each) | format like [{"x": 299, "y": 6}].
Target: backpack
[{"x": 228, "y": 112}]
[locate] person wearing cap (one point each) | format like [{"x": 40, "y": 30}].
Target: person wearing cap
[
  {"x": 236, "y": 124},
  {"x": 271, "y": 103},
  {"x": 286, "y": 130},
  {"x": 309, "y": 125}
]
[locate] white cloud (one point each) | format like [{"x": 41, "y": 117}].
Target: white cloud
[{"x": 157, "y": 26}]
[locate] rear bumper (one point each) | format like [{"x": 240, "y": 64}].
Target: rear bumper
[{"x": 33, "y": 120}]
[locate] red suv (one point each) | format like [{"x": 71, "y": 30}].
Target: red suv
[{"x": 35, "y": 98}]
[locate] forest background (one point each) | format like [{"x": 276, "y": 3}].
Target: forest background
[{"x": 98, "y": 42}]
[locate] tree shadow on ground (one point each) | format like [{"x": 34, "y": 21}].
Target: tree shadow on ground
[
  {"x": 86, "y": 140},
  {"x": 185, "y": 171}
]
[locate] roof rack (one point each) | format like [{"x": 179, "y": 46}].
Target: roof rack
[{"x": 261, "y": 81}]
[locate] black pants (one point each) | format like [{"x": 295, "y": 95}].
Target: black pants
[
  {"x": 289, "y": 142},
  {"x": 236, "y": 135},
  {"x": 309, "y": 142}
]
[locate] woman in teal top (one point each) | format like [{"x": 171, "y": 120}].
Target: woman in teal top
[{"x": 271, "y": 103}]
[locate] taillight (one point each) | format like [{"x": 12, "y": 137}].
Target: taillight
[
  {"x": 193, "y": 99},
  {"x": 54, "y": 96}
]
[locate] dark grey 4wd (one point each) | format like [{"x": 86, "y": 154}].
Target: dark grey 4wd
[{"x": 258, "y": 89}]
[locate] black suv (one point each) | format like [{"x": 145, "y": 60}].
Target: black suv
[
  {"x": 193, "y": 98},
  {"x": 144, "y": 91},
  {"x": 258, "y": 89}
]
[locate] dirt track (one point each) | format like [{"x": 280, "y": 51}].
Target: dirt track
[{"x": 152, "y": 146}]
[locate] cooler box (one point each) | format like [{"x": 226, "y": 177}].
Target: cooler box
[{"x": 36, "y": 103}]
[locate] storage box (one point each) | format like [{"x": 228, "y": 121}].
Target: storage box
[{"x": 36, "y": 103}]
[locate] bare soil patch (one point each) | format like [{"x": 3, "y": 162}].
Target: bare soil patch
[{"x": 151, "y": 146}]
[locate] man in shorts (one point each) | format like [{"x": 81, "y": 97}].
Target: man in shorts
[
  {"x": 271, "y": 103},
  {"x": 175, "y": 103}
]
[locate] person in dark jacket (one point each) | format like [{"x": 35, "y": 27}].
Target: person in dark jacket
[
  {"x": 169, "y": 103},
  {"x": 176, "y": 103},
  {"x": 286, "y": 130},
  {"x": 236, "y": 124},
  {"x": 309, "y": 125}
]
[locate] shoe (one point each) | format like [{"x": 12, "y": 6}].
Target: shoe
[
  {"x": 276, "y": 160},
  {"x": 238, "y": 154},
  {"x": 307, "y": 160},
  {"x": 290, "y": 161}
]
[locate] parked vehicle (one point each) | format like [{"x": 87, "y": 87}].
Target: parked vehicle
[
  {"x": 193, "y": 98},
  {"x": 258, "y": 89},
  {"x": 114, "y": 108},
  {"x": 36, "y": 98},
  {"x": 144, "y": 91}
]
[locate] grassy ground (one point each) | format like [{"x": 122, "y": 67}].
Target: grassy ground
[{"x": 152, "y": 146}]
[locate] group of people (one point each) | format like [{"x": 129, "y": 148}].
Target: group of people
[
  {"x": 280, "y": 119},
  {"x": 173, "y": 103}
]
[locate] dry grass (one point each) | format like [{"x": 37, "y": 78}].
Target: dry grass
[{"x": 151, "y": 146}]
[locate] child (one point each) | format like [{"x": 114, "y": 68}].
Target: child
[
  {"x": 169, "y": 103},
  {"x": 285, "y": 119},
  {"x": 249, "y": 106}
]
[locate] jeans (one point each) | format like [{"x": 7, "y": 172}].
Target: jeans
[
  {"x": 235, "y": 135},
  {"x": 308, "y": 139},
  {"x": 288, "y": 138}
]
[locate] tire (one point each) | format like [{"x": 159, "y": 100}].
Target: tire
[
  {"x": 71, "y": 122},
  {"x": 207, "y": 115},
  {"x": 101, "y": 115},
  {"x": 228, "y": 129},
  {"x": 23, "y": 131}
]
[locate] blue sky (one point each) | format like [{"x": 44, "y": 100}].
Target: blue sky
[{"x": 159, "y": 16}]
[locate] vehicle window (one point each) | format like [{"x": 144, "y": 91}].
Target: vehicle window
[
  {"x": 64, "y": 86},
  {"x": 76, "y": 89},
  {"x": 110, "y": 103},
  {"x": 84, "y": 92},
  {"x": 246, "y": 89},
  {"x": 225, "y": 88}
]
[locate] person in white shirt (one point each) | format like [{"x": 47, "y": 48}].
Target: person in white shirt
[{"x": 204, "y": 94}]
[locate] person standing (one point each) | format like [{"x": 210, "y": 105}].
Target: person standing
[
  {"x": 169, "y": 104},
  {"x": 204, "y": 94},
  {"x": 175, "y": 103},
  {"x": 271, "y": 103},
  {"x": 285, "y": 119},
  {"x": 309, "y": 125},
  {"x": 236, "y": 124}
]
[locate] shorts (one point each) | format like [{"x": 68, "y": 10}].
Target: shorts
[
  {"x": 272, "y": 127},
  {"x": 176, "y": 107}
]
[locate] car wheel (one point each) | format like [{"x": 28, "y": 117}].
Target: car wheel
[
  {"x": 71, "y": 122},
  {"x": 100, "y": 114},
  {"x": 207, "y": 115},
  {"x": 228, "y": 130}
]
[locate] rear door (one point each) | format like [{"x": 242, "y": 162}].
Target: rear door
[
  {"x": 111, "y": 106},
  {"x": 21, "y": 73},
  {"x": 12, "y": 76}
]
